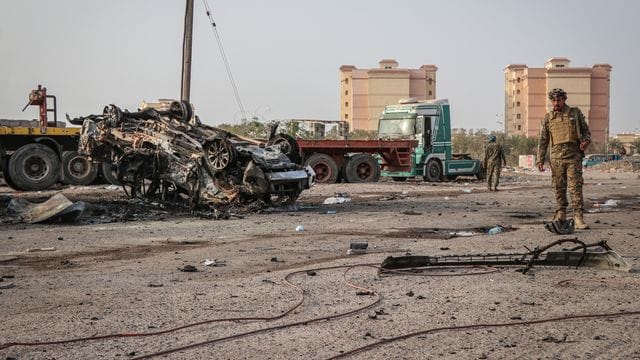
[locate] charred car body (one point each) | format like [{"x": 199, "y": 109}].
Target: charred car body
[{"x": 165, "y": 152}]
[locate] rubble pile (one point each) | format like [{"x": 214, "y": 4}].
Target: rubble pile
[
  {"x": 624, "y": 165},
  {"x": 165, "y": 153}
]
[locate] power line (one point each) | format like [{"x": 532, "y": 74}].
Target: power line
[{"x": 224, "y": 59}]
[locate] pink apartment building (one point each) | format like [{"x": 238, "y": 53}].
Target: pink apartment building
[
  {"x": 526, "y": 100},
  {"x": 365, "y": 92}
]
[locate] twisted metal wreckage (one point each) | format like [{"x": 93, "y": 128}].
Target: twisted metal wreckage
[{"x": 165, "y": 153}]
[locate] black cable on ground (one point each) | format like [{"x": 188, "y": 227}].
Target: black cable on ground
[
  {"x": 479, "y": 326},
  {"x": 283, "y": 326}
]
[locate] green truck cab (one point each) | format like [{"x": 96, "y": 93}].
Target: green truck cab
[{"x": 428, "y": 122}]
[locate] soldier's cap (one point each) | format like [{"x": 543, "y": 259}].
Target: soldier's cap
[
  {"x": 560, "y": 227},
  {"x": 557, "y": 93}
]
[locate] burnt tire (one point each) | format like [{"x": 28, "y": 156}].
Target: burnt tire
[
  {"x": 77, "y": 169},
  {"x": 108, "y": 173},
  {"x": 325, "y": 168},
  {"x": 288, "y": 145},
  {"x": 361, "y": 168},
  {"x": 34, "y": 167},
  {"x": 433, "y": 171}
]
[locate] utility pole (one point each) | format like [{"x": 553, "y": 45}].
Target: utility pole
[{"x": 186, "y": 52}]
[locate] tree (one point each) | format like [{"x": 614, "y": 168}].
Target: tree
[
  {"x": 615, "y": 146},
  {"x": 359, "y": 134}
]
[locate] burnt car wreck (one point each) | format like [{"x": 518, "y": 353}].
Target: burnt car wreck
[{"x": 166, "y": 154}]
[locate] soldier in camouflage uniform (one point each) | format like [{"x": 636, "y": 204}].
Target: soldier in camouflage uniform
[
  {"x": 493, "y": 160},
  {"x": 566, "y": 129}
]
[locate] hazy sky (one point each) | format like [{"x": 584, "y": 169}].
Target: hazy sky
[{"x": 285, "y": 54}]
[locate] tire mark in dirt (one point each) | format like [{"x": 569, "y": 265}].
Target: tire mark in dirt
[{"x": 84, "y": 258}]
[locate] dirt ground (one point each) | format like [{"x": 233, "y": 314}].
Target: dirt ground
[{"x": 119, "y": 271}]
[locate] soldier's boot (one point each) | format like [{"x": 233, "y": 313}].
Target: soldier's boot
[
  {"x": 579, "y": 222},
  {"x": 560, "y": 215}
]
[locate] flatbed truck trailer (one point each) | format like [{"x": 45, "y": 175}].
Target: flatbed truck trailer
[
  {"x": 35, "y": 154},
  {"x": 355, "y": 161}
]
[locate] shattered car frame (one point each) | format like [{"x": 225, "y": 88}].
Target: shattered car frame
[{"x": 164, "y": 152}]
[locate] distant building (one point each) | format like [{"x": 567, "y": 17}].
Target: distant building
[
  {"x": 365, "y": 92},
  {"x": 526, "y": 100},
  {"x": 627, "y": 140}
]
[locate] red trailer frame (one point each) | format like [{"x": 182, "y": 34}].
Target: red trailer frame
[{"x": 353, "y": 160}]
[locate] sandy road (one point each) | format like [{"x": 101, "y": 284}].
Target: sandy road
[{"x": 121, "y": 275}]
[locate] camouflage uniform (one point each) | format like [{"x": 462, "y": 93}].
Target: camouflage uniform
[
  {"x": 493, "y": 160},
  {"x": 565, "y": 130}
]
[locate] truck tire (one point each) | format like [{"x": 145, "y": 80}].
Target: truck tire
[
  {"x": 7, "y": 176},
  {"x": 34, "y": 167},
  {"x": 361, "y": 168},
  {"x": 77, "y": 169},
  {"x": 433, "y": 171},
  {"x": 109, "y": 174},
  {"x": 326, "y": 169}
]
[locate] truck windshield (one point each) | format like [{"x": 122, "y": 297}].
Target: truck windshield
[{"x": 397, "y": 128}]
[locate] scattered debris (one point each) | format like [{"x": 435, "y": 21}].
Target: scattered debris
[
  {"x": 336, "y": 200},
  {"x": 598, "y": 255},
  {"x": 214, "y": 263},
  {"x": 299, "y": 228},
  {"x": 560, "y": 227},
  {"x": 357, "y": 248},
  {"x": 58, "y": 207},
  {"x": 41, "y": 249},
  {"x": 152, "y": 285},
  {"x": 495, "y": 230},
  {"x": 463, "y": 233},
  {"x": 188, "y": 268}
]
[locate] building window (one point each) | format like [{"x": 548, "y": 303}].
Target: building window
[
  {"x": 346, "y": 116},
  {"x": 346, "y": 92},
  {"x": 519, "y": 127},
  {"x": 430, "y": 92},
  {"x": 559, "y": 65},
  {"x": 518, "y": 91},
  {"x": 430, "y": 81},
  {"x": 346, "y": 80},
  {"x": 346, "y": 104},
  {"x": 518, "y": 103},
  {"x": 517, "y": 116},
  {"x": 518, "y": 80}
]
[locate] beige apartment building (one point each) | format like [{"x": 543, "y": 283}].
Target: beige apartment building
[
  {"x": 365, "y": 92},
  {"x": 526, "y": 100}
]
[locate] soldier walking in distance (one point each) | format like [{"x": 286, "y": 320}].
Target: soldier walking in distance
[
  {"x": 566, "y": 129},
  {"x": 493, "y": 161}
]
